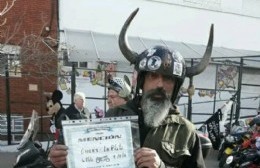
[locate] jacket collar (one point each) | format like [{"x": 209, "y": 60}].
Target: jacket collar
[{"x": 174, "y": 117}]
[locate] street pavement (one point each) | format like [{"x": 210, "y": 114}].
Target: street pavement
[
  {"x": 211, "y": 160},
  {"x": 7, "y": 159}
]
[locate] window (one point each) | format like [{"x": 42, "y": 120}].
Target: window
[
  {"x": 3, "y": 62},
  {"x": 13, "y": 63},
  {"x": 66, "y": 59},
  {"x": 83, "y": 64},
  {"x": 9, "y": 55}
]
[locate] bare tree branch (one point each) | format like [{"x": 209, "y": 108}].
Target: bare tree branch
[
  {"x": 4, "y": 11},
  {"x": 4, "y": 22},
  {"x": 37, "y": 56},
  {"x": 7, "y": 8}
]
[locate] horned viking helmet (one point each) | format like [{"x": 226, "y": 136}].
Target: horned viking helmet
[{"x": 162, "y": 60}]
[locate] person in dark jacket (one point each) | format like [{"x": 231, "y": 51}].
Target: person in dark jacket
[
  {"x": 77, "y": 110},
  {"x": 167, "y": 139}
]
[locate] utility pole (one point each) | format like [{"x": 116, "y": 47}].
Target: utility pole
[
  {"x": 73, "y": 81},
  {"x": 8, "y": 107},
  {"x": 237, "y": 115},
  {"x": 190, "y": 97}
]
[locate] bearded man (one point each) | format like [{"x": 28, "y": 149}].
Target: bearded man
[{"x": 167, "y": 139}]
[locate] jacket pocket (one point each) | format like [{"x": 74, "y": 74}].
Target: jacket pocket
[{"x": 175, "y": 151}]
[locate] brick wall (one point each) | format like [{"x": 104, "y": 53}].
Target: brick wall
[{"x": 33, "y": 16}]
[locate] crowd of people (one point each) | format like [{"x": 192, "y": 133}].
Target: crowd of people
[{"x": 167, "y": 139}]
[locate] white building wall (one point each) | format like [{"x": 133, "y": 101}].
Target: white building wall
[{"x": 169, "y": 21}]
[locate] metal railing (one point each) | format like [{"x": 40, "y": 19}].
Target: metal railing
[{"x": 17, "y": 125}]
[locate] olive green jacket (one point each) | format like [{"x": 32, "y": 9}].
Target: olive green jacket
[{"x": 175, "y": 140}]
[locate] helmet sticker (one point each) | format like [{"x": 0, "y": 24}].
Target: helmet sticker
[
  {"x": 178, "y": 56},
  {"x": 154, "y": 63},
  {"x": 142, "y": 63},
  {"x": 167, "y": 62},
  {"x": 177, "y": 69},
  {"x": 151, "y": 51}
]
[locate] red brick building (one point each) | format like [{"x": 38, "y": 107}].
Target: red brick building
[{"x": 33, "y": 26}]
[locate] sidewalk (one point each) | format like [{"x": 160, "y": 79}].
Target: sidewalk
[
  {"x": 7, "y": 159},
  {"x": 8, "y": 148},
  {"x": 211, "y": 161},
  {"x": 8, "y": 154}
]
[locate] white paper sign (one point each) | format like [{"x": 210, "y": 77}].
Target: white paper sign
[{"x": 102, "y": 145}]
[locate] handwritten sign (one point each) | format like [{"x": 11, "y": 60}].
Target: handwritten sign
[{"x": 102, "y": 145}]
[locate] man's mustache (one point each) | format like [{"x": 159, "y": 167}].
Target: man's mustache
[{"x": 155, "y": 94}]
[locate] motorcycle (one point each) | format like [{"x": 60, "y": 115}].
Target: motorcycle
[
  {"x": 31, "y": 154},
  {"x": 245, "y": 156},
  {"x": 230, "y": 144},
  {"x": 243, "y": 159}
]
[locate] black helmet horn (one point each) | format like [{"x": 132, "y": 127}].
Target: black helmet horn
[
  {"x": 131, "y": 55},
  {"x": 200, "y": 67},
  {"x": 123, "y": 42}
]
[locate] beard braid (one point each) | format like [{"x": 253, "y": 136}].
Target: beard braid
[{"x": 155, "y": 111}]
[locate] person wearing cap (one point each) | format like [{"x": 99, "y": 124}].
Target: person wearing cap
[{"x": 119, "y": 92}]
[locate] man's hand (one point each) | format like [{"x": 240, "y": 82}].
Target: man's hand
[
  {"x": 58, "y": 155},
  {"x": 146, "y": 157}
]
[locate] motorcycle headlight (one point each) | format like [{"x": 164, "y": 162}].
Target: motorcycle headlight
[
  {"x": 230, "y": 138},
  {"x": 229, "y": 160}
]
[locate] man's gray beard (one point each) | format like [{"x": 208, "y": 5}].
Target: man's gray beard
[{"x": 155, "y": 112}]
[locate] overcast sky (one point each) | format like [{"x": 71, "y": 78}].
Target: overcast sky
[{"x": 162, "y": 21}]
